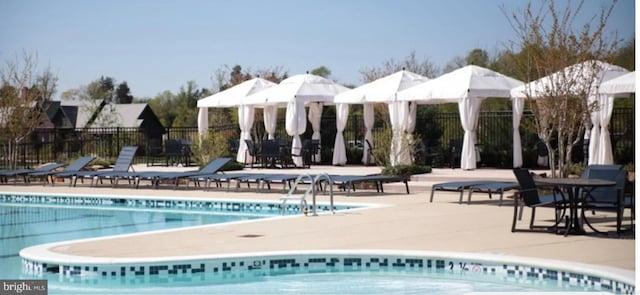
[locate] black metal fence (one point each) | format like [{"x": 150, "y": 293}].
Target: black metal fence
[{"x": 494, "y": 136}]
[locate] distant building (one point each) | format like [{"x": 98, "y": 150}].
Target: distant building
[
  {"x": 108, "y": 115},
  {"x": 59, "y": 116},
  {"x": 71, "y": 119}
]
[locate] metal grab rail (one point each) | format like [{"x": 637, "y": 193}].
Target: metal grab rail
[
  {"x": 319, "y": 177},
  {"x": 292, "y": 190},
  {"x": 313, "y": 182}
]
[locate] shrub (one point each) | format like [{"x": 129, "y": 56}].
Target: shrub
[
  {"x": 404, "y": 170},
  {"x": 210, "y": 146}
]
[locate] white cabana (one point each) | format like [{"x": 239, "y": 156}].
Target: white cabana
[
  {"x": 621, "y": 86},
  {"x": 382, "y": 90},
  {"x": 467, "y": 86},
  {"x": 576, "y": 75},
  {"x": 234, "y": 97},
  {"x": 295, "y": 93}
]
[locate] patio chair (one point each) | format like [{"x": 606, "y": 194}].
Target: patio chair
[
  {"x": 5, "y": 174},
  {"x": 609, "y": 199},
  {"x": 158, "y": 176},
  {"x": 455, "y": 151},
  {"x": 270, "y": 153},
  {"x": 252, "y": 151},
  {"x": 529, "y": 196},
  {"x": 172, "y": 152},
  {"x": 75, "y": 166},
  {"x": 305, "y": 154},
  {"x": 120, "y": 169},
  {"x": 370, "y": 159}
]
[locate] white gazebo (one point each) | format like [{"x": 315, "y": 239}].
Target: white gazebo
[
  {"x": 467, "y": 86},
  {"x": 234, "y": 97},
  {"x": 295, "y": 93},
  {"x": 383, "y": 90},
  {"x": 622, "y": 86},
  {"x": 578, "y": 75}
]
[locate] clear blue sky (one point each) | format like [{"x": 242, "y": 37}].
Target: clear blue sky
[{"x": 158, "y": 45}]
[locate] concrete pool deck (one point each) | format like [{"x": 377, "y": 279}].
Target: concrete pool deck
[{"x": 403, "y": 222}]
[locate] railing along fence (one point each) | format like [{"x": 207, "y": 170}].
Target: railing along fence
[{"x": 494, "y": 137}]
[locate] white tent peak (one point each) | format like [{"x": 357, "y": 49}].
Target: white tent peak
[
  {"x": 235, "y": 95},
  {"x": 381, "y": 90},
  {"x": 302, "y": 88},
  {"x": 624, "y": 84},
  {"x": 469, "y": 81},
  {"x": 576, "y": 72}
]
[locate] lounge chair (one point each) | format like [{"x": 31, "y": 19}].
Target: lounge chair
[
  {"x": 348, "y": 182},
  {"x": 120, "y": 169},
  {"x": 5, "y": 174},
  {"x": 491, "y": 188},
  {"x": 217, "y": 178},
  {"x": 284, "y": 179},
  {"x": 456, "y": 186},
  {"x": 156, "y": 177},
  {"x": 249, "y": 178},
  {"x": 529, "y": 196},
  {"x": 74, "y": 167},
  {"x": 610, "y": 199}
]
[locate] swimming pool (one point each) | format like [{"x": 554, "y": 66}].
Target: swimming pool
[
  {"x": 31, "y": 219},
  {"x": 335, "y": 271}
]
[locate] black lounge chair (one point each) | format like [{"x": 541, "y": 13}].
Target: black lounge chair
[
  {"x": 249, "y": 178},
  {"x": 217, "y": 178},
  {"x": 74, "y": 167},
  {"x": 5, "y": 174},
  {"x": 156, "y": 177},
  {"x": 348, "y": 182},
  {"x": 492, "y": 188},
  {"x": 456, "y": 186},
  {"x": 529, "y": 196},
  {"x": 120, "y": 169},
  {"x": 284, "y": 179}
]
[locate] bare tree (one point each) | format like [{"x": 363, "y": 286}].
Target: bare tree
[
  {"x": 548, "y": 46},
  {"x": 410, "y": 63},
  {"x": 20, "y": 107},
  {"x": 47, "y": 84}
]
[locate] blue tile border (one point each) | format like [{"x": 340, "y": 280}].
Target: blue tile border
[
  {"x": 233, "y": 206},
  {"x": 250, "y": 266}
]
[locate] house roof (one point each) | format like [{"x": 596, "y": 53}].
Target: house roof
[
  {"x": 112, "y": 115},
  {"x": 82, "y": 111},
  {"x": 130, "y": 115},
  {"x": 58, "y": 116}
]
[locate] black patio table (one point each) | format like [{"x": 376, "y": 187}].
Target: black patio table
[{"x": 573, "y": 186}]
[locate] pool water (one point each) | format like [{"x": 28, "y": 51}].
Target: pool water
[
  {"x": 24, "y": 225},
  {"x": 26, "y": 221}
]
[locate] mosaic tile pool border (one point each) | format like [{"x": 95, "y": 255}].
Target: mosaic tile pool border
[
  {"x": 271, "y": 208},
  {"x": 240, "y": 268},
  {"x": 246, "y": 266}
]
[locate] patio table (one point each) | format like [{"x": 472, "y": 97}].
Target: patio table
[{"x": 573, "y": 186}]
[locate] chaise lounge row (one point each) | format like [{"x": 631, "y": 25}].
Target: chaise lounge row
[{"x": 210, "y": 175}]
